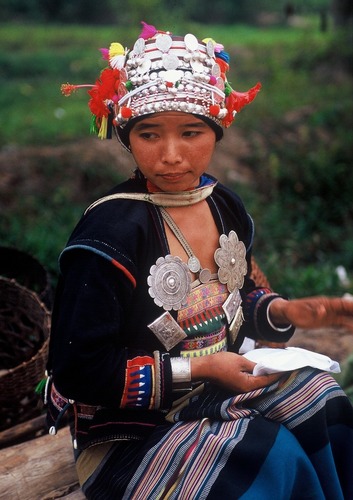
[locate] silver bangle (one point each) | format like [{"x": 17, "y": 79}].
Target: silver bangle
[
  {"x": 278, "y": 329},
  {"x": 181, "y": 370}
]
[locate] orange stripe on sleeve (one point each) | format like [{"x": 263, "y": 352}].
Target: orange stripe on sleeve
[{"x": 125, "y": 271}]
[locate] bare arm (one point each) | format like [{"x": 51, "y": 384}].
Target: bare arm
[{"x": 313, "y": 312}]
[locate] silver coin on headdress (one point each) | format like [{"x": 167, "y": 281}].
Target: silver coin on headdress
[
  {"x": 172, "y": 75},
  {"x": 210, "y": 48},
  {"x": 197, "y": 65},
  {"x": 216, "y": 70},
  {"x": 191, "y": 42},
  {"x": 122, "y": 89},
  {"x": 164, "y": 42},
  {"x": 139, "y": 46},
  {"x": 219, "y": 85},
  {"x": 169, "y": 282},
  {"x": 144, "y": 66},
  {"x": 170, "y": 61}
]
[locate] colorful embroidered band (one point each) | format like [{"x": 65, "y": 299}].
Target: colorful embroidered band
[{"x": 163, "y": 72}]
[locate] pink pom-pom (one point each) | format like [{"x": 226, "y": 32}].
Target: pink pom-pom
[
  {"x": 213, "y": 80},
  {"x": 148, "y": 31},
  {"x": 105, "y": 54},
  {"x": 218, "y": 47}
]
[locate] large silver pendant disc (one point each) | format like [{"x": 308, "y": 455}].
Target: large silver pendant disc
[
  {"x": 231, "y": 260},
  {"x": 169, "y": 282}
]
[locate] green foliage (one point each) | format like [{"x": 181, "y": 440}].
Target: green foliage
[
  {"x": 299, "y": 133},
  {"x": 129, "y": 11},
  {"x": 40, "y": 217}
]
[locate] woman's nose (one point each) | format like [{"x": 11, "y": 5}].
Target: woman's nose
[{"x": 171, "y": 152}]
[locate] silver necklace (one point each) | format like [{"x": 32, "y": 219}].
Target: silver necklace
[
  {"x": 194, "y": 265},
  {"x": 170, "y": 278}
]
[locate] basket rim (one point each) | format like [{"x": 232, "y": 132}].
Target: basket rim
[{"x": 46, "y": 327}]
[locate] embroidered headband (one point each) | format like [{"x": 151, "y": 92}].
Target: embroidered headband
[{"x": 163, "y": 72}]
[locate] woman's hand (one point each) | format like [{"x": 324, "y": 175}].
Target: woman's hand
[
  {"x": 231, "y": 371},
  {"x": 313, "y": 312}
]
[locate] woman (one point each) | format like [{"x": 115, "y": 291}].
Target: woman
[{"x": 155, "y": 300}]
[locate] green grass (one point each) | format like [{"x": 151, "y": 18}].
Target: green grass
[{"x": 299, "y": 132}]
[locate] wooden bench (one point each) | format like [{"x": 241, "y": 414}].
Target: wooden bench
[{"x": 42, "y": 468}]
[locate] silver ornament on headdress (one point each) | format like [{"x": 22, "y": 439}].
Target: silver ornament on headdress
[{"x": 173, "y": 74}]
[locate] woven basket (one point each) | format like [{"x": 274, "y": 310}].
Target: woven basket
[
  {"x": 24, "y": 339},
  {"x": 27, "y": 271}
]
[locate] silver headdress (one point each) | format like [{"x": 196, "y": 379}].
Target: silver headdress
[{"x": 163, "y": 72}]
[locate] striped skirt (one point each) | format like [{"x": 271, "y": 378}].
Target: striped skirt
[{"x": 293, "y": 441}]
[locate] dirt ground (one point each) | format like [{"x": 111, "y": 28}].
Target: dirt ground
[{"x": 22, "y": 173}]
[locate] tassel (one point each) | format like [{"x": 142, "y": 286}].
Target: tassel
[
  {"x": 40, "y": 387},
  {"x": 224, "y": 56},
  {"x": 68, "y": 88},
  {"x": 102, "y": 134},
  {"x": 94, "y": 129},
  {"x": 116, "y": 49},
  {"x": 237, "y": 100},
  {"x": 148, "y": 31},
  {"x": 244, "y": 98},
  {"x": 105, "y": 54}
]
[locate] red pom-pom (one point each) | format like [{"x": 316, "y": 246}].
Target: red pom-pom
[
  {"x": 169, "y": 84},
  {"x": 214, "y": 109},
  {"x": 126, "y": 112}
]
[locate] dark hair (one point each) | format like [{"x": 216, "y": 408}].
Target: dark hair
[{"x": 124, "y": 133}]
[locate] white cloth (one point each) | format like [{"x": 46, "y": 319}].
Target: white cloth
[{"x": 270, "y": 360}]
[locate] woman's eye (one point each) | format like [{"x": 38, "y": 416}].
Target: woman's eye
[
  {"x": 148, "y": 135},
  {"x": 191, "y": 133}
]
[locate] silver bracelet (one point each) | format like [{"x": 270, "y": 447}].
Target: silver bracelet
[
  {"x": 278, "y": 329},
  {"x": 181, "y": 370}
]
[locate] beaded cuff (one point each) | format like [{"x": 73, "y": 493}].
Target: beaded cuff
[
  {"x": 256, "y": 309},
  {"x": 264, "y": 327}
]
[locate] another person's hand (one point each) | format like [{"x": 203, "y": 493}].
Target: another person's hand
[
  {"x": 313, "y": 312},
  {"x": 231, "y": 371}
]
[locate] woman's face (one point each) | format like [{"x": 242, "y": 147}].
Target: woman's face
[{"x": 172, "y": 149}]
